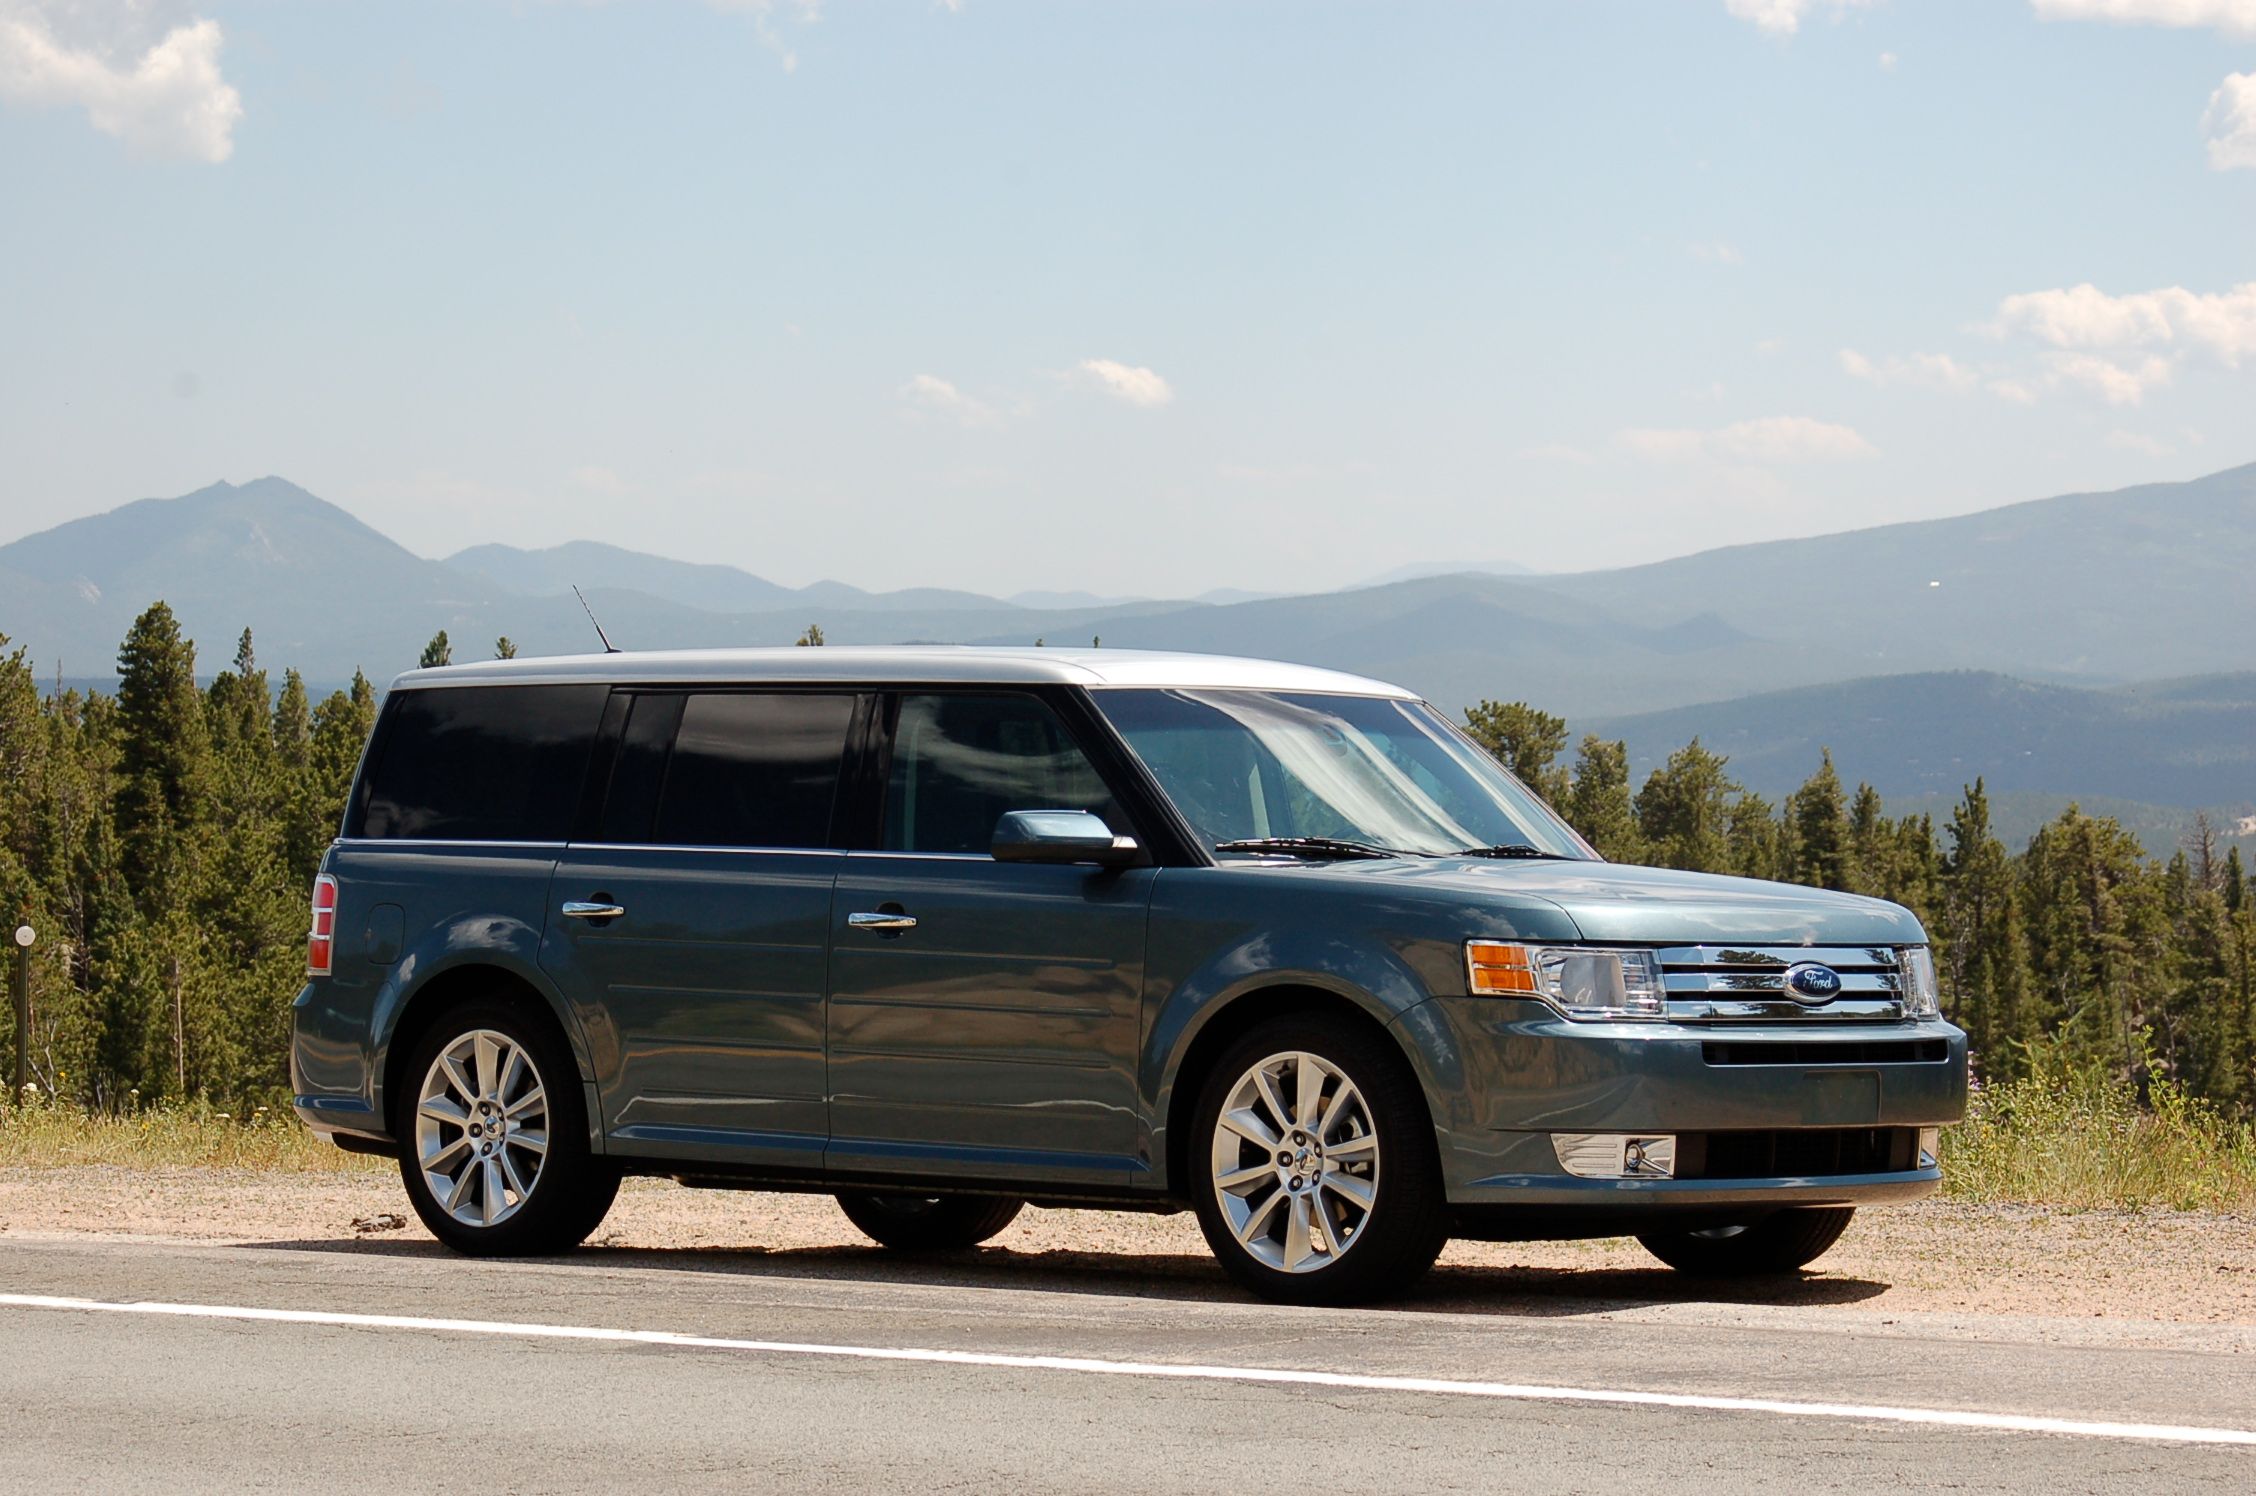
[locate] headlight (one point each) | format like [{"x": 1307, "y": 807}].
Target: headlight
[
  {"x": 1583, "y": 982},
  {"x": 1922, "y": 999}
]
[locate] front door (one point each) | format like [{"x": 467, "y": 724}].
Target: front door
[
  {"x": 694, "y": 927},
  {"x": 984, "y": 1016}
]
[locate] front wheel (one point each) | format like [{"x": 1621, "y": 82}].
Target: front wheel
[
  {"x": 494, "y": 1137},
  {"x": 1780, "y": 1243},
  {"x": 1314, "y": 1170},
  {"x": 929, "y": 1223}
]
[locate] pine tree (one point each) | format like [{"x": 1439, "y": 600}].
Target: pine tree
[
  {"x": 1684, "y": 811},
  {"x": 436, "y": 653},
  {"x": 505, "y": 648},
  {"x": 1818, "y": 813},
  {"x": 1982, "y": 960},
  {"x": 1526, "y": 741},
  {"x": 1598, "y": 805},
  {"x": 164, "y": 766}
]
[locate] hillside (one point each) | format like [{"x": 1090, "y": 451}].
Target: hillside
[{"x": 2084, "y": 591}]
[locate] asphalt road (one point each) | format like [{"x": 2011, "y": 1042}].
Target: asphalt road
[{"x": 149, "y": 1366}]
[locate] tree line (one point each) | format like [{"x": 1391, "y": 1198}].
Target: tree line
[{"x": 163, "y": 840}]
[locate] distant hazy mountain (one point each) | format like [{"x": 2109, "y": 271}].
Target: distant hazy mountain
[
  {"x": 1418, "y": 570},
  {"x": 589, "y": 564},
  {"x": 324, "y": 591},
  {"x": 2088, "y": 590},
  {"x": 2138, "y": 583},
  {"x": 2184, "y": 743}
]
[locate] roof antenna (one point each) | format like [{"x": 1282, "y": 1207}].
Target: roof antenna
[{"x": 608, "y": 647}]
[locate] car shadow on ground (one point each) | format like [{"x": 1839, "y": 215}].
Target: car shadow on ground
[{"x": 1527, "y": 1292}]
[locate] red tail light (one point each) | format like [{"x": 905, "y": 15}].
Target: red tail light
[{"x": 321, "y": 944}]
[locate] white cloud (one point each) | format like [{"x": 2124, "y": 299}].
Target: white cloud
[
  {"x": 1765, "y": 441},
  {"x": 931, "y": 392},
  {"x": 2132, "y": 441},
  {"x": 1137, "y": 386},
  {"x": 2084, "y": 317},
  {"x": 160, "y": 93},
  {"x": 1784, "y": 17},
  {"x": 1887, "y": 62},
  {"x": 2117, "y": 384},
  {"x": 1924, "y": 371},
  {"x": 1718, "y": 253},
  {"x": 2230, "y": 123},
  {"x": 2237, "y": 17},
  {"x": 763, "y": 12}
]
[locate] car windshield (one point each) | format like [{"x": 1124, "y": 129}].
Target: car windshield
[{"x": 1385, "y": 775}]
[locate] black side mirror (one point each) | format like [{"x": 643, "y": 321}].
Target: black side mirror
[{"x": 1061, "y": 836}]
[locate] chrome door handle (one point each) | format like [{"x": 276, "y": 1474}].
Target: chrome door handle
[
  {"x": 579, "y": 909},
  {"x": 881, "y": 922}
]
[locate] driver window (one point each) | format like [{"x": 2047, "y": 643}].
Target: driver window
[{"x": 961, "y": 762}]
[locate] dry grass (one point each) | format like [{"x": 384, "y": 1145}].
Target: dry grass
[
  {"x": 48, "y": 1136},
  {"x": 2062, "y": 1138},
  {"x": 2083, "y": 1139}
]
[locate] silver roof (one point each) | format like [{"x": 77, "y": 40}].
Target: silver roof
[{"x": 948, "y": 664}]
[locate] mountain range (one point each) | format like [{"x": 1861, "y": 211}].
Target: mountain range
[{"x": 2005, "y": 642}]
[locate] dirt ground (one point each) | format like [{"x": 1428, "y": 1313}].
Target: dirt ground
[{"x": 1937, "y": 1258}]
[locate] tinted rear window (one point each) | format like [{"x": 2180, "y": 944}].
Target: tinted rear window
[
  {"x": 729, "y": 769},
  {"x": 481, "y": 763},
  {"x": 751, "y": 770}
]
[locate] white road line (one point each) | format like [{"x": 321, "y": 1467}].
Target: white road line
[{"x": 1934, "y": 1417}]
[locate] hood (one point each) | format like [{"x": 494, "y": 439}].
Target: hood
[{"x": 1612, "y": 901}]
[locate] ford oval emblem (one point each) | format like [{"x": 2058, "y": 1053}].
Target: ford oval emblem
[{"x": 1811, "y": 983}]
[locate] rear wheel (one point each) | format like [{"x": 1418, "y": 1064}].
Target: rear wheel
[
  {"x": 929, "y": 1223},
  {"x": 1314, "y": 1171},
  {"x": 494, "y": 1136},
  {"x": 1780, "y": 1243}
]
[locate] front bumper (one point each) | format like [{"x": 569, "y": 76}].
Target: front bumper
[{"x": 1502, "y": 1076}]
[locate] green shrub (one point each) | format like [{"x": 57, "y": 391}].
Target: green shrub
[{"x": 2082, "y": 1135}]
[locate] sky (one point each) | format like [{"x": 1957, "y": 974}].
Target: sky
[{"x": 1140, "y": 298}]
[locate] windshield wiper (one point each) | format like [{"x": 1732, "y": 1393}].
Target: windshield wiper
[
  {"x": 1307, "y": 846},
  {"x": 1511, "y": 850}
]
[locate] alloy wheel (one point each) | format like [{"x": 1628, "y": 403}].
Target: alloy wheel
[
  {"x": 1296, "y": 1162},
  {"x": 481, "y": 1128}
]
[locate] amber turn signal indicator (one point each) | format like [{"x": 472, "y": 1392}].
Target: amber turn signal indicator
[{"x": 1494, "y": 969}]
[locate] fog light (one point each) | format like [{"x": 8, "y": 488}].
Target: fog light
[
  {"x": 1615, "y": 1155},
  {"x": 1930, "y": 1147}
]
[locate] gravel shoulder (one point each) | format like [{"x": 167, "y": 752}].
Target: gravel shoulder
[{"x": 2112, "y": 1275}]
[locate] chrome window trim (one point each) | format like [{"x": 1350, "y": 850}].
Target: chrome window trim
[
  {"x": 598, "y": 846},
  {"x": 447, "y": 841}
]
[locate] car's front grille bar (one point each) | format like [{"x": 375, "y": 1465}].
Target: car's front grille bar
[{"x": 1737, "y": 983}]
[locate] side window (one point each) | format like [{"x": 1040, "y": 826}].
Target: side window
[
  {"x": 748, "y": 769},
  {"x": 481, "y": 763},
  {"x": 961, "y": 762}
]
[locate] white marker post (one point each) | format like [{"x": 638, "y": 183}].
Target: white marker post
[{"x": 25, "y": 935}]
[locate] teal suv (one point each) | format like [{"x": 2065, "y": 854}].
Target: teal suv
[{"x": 945, "y": 931}]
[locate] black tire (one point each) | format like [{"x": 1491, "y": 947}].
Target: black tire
[
  {"x": 929, "y": 1223},
  {"x": 1407, "y": 1223},
  {"x": 1782, "y": 1243},
  {"x": 572, "y": 1189}
]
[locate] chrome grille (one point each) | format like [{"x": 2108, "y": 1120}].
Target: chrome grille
[{"x": 1738, "y": 983}]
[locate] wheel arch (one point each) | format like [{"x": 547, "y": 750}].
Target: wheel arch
[
  {"x": 1224, "y": 1023},
  {"x": 428, "y": 1001}
]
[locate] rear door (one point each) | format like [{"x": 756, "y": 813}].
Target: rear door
[
  {"x": 995, "y": 1033},
  {"x": 693, "y": 921}
]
